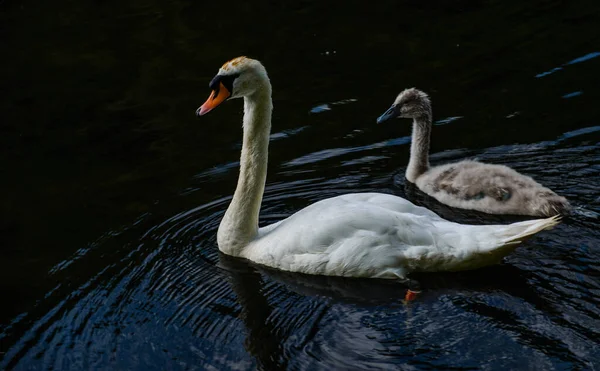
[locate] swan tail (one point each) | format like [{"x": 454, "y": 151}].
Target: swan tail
[
  {"x": 504, "y": 239},
  {"x": 519, "y": 232}
]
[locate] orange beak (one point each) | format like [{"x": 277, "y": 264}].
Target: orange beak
[{"x": 216, "y": 97}]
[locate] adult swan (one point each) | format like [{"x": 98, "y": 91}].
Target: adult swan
[{"x": 371, "y": 235}]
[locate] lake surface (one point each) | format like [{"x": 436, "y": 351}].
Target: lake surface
[{"x": 112, "y": 189}]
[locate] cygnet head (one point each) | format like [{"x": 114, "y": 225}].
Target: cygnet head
[
  {"x": 411, "y": 103},
  {"x": 239, "y": 77}
]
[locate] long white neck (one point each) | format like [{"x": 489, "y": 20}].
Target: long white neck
[
  {"x": 419, "y": 148},
  {"x": 240, "y": 223}
]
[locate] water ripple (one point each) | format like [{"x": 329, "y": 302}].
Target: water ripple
[
  {"x": 167, "y": 296},
  {"x": 574, "y": 61}
]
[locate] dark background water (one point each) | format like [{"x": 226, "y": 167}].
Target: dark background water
[{"x": 112, "y": 190}]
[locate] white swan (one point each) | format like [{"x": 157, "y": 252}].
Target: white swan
[
  {"x": 493, "y": 189},
  {"x": 354, "y": 235}
]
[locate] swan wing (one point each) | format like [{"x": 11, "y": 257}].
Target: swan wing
[
  {"x": 376, "y": 235},
  {"x": 359, "y": 235}
]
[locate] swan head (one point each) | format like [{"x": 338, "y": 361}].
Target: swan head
[
  {"x": 239, "y": 77},
  {"x": 411, "y": 103}
]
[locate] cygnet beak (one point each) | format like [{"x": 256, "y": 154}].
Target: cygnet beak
[
  {"x": 217, "y": 97},
  {"x": 388, "y": 115}
]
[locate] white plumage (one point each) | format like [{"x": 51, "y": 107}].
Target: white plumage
[
  {"x": 354, "y": 235},
  {"x": 383, "y": 236}
]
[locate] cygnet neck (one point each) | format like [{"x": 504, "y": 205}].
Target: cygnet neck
[{"x": 419, "y": 147}]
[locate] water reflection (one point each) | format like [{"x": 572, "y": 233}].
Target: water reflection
[
  {"x": 574, "y": 61},
  {"x": 263, "y": 337}
]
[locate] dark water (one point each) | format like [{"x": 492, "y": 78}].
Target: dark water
[{"x": 112, "y": 190}]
